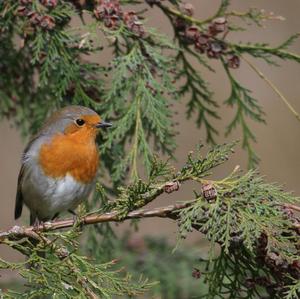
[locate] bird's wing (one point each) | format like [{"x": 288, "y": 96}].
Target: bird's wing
[{"x": 19, "y": 195}]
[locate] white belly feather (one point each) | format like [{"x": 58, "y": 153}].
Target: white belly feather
[{"x": 46, "y": 197}]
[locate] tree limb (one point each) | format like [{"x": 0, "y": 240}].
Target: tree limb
[
  {"x": 292, "y": 207},
  {"x": 19, "y": 232}
]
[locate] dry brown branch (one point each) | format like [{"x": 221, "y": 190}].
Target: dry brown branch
[
  {"x": 19, "y": 232},
  {"x": 292, "y": 207},
  {"x": 31, "y": 232}
]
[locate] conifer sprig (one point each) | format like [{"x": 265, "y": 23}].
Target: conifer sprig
[
  {"x": 242, "y": 214},
  {"x": 138, "y": 106},
  {"x": 44, "y": 65},
  {"x": 198, "y": 37},
  {"x": 55, "y": 69}
]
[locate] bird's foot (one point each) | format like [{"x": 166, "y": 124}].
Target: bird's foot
[{"x": 37, "y": 225}]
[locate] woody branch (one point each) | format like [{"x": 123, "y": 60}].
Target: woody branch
[{"x": 19, "y": 232}]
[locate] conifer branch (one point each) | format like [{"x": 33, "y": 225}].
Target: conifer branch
[
  {"x": 19, "y": 232},
  {"x": 292, "y": 207},
  {"x": 252, "y": 221},
  {"x": 204, "y": 35},
  {"x": 234, "y": 210}
]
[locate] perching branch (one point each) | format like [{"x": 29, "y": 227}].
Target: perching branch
[
  {"x": 171, "y": 211},
  {"x": 19, "y": 232},
  {"x": 239, "y": 213},
  {"x": 292, "y": 207}
]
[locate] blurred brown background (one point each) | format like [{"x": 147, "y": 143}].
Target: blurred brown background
[{"x": 277, "y": 142}]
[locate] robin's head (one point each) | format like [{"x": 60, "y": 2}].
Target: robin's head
[{"x": 75, "y": 120}]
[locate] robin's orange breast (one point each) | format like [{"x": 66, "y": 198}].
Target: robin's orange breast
[{"x": 74, "y": 154}]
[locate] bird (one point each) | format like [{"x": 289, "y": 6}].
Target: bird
[{"x": 59, "y": 164}]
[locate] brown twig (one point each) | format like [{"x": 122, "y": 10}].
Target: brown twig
[
  {"x": 19, "y": 232},
  {"x": 177, "y": 13},
  {"x": 292, "y": 207}
]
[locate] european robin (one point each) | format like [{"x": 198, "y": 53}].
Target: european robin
[{"x": 59, "y": 164}]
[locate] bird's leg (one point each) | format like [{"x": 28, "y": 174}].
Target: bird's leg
[
  {"x": 55, "y": 216},
  {"x": 73, "y": 213},
  {"x": 37, "y": 224}
]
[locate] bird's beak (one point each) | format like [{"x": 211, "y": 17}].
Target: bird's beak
[{"x": 103, "y": 124}]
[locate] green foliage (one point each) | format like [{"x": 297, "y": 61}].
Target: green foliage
[
  {"x": 245, "y": 207},
  {"x": 140, "y": 193},
  {"x": 266, "y": 52},
  {"x": 242, "y": 214},
  {"x": 141, "y": 74},
  {"x": 246, "y": 106},
  {"x": 139, "y": 87},
  {"x": 55, "y": 268},
  {"x": 44, "y": 65},
  {"x": 257, "y": 241},
  {"x": 293, "y": 290},
  {"x": 259, "y": 246},
  {"x": 201, "y": 97}
]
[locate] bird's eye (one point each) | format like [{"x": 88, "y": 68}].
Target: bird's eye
[{"x": 80, "y": 122}]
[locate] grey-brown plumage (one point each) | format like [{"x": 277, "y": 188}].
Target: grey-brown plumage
[{"x": 44, "y": 195}]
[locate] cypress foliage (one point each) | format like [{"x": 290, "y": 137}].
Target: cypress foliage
[{"x": 250, "y": 225}]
